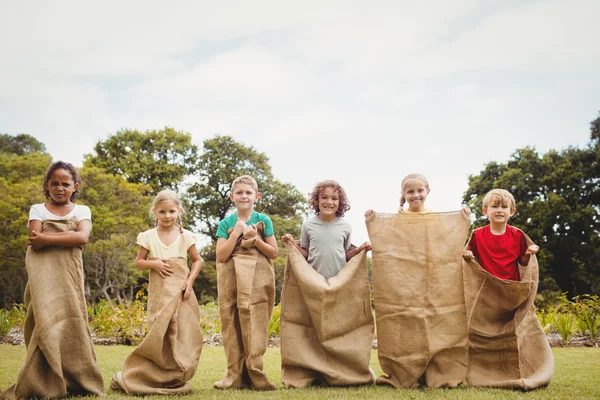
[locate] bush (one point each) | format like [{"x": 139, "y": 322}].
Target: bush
[
  {"x": 587, "y": 310},
  {"x": 546, "y": 317},
  {"x": 125, "y": 322},
  {"x": 6, "y": 322},
  {"x": 564, "y": 323},
  {"x": 18, "y": 315},
  {"x": 210, "y": 322},
  {"x": 275, "y": 323}
]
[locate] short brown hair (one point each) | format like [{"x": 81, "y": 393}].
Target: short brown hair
[
  {"x": 245, "y": 180},
  {"x": 313, "y": 198},
  {"x": 499, "y": 196}
]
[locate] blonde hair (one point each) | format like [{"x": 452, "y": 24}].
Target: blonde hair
[
  {"x": 500, "y": 196},
  {"x": 406, "y": 179},
  {"x": 246, "y": 180}
]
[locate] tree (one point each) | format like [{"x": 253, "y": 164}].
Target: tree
[
  {"x": 558, "y": 206},
  {"x": 20, "y": 188},
  {"x": 120, "y": 211},
  {"x": 160, "y": 159},
  {"x": 207, "y": 201},
  {"x": 21, "y": 144}
]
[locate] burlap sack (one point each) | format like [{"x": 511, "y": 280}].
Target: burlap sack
[
  {"x": 60, "y": 356},
  {"x": 507, "y": 345},
  {"x": 419, "y": 299},
  {"x": 168, "y": 356},
  {"x": 326, "y": 326},
  {"x": 246, "y": 292}
]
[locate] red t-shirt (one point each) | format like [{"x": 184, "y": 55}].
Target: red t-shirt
[{"x": 499, "y": 254}]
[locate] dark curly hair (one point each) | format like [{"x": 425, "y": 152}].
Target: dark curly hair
[
  {"x": 313, "y": 198},
  {"x": 61, "y": 165}
]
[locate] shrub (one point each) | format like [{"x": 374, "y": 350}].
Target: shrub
[
  {"x": 210, "y": 321},
  {"x": 126, "y": 322},
  {"x": 18, "y": 314},
  {"x": 564, "y": 323},
  {"x": 546, "y": 317},
  {"x": 275, "y": 323},
  {"x": 6, "y": 322},
  {"x": 587, "y": 310}
]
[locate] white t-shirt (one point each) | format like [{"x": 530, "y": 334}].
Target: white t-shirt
[
  {"x": 157, "y": 249},
  {"x": 39, "y": 212}
]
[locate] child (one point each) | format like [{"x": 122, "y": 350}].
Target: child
[
  {"x": 60, "y": 355},
  {"x": 415, "y": 190},
  {"x": 246, "y": 286},
  {"x": 168, "y": 357},
  {"x": 325, "y": 238},
  {"x": 498, "y": 247}
]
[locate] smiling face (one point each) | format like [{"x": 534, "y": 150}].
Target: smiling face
[
  {"x": 329, "y": 203},
  {"x": 61, "y": 186},
  {"x": 498, "y": 213},
  {"x": 244, "y": 196},
  {"x": 415, "y": 192},
  {"x": 167, "y": 213}
]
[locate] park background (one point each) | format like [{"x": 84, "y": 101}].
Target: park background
[{"x": 145, "y": 95}]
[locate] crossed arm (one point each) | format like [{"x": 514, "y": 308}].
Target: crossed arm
[{"x": 38, "y": 240}]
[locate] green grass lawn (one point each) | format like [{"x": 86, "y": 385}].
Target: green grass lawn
[{"x": 576, "y": 376}]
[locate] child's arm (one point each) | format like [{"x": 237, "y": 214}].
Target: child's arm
[
  {"x": 159, "y": 265},
  {"x": 267, "y": 246},
  {"x": 194, "y": 271},
  {"x": 225, "y": 246},
  {"x": 38, "y": 240},
  {"x": 352, "y": 252},
  {"x": 533, "y": 249},
  {"x": 289, "y": 238}
]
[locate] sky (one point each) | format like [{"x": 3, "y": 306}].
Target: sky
[{"x": 360, "y": 92}]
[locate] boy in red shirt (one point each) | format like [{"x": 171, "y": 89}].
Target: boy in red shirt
[{"x": 498, "y": 247}]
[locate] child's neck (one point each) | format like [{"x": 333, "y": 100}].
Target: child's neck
[
  {"x": 244, "y": 215},
  {"x": 498, "y": 229},
  {"x": 421, "y": 208},
  {"x": 327, "y": 219},
  {"x": 166, "y": 230}
]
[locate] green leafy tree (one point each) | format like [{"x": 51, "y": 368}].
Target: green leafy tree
[
  {"x": 207, "y": 201},
  {"x": 558, "y": 206},
  {"x": 120, "y": 211},
  {"x": 160, "y": 159},
  {"x": 20, "y": 188},
  {"x": 21, "y": 144}
]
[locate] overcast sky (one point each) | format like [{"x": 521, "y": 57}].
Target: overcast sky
[{"x": 363, "y": 92}]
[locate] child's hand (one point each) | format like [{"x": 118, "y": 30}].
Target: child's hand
[
  {"x": 366, "y": 246},
  {"x": 36, "y": 240},
  {"x": 162, "y": 267},
  {"x": 468, "y": 255},
  {"x": 250, "y": 231},
  {"x": 187, "y": 289},
  {"x": 467, "y": 211},
  {"x": 533, "y": 249},
  {"x": 287, "y": 238},
  {"x": 238, "y": 229},
  {"x": 369, "y": 213}
]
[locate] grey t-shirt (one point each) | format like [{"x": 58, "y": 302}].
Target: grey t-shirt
[{"x": 327, "y": 243}]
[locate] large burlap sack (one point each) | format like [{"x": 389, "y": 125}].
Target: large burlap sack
[
  {"x": 60, "y": 355},
  {"x": 507, "y": 345},
  {"x": 246, "y": 293},
  {"x": 168, "y": 356},
  {"x": 419, "y": 299},
  {"x": 326, "y": 325}
]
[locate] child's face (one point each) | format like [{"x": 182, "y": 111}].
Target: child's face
[
  {"x": 498, "y": 213},
  {"x": 244, "y": 196},
  {"x": 61, "y": 186},
  {"x": 167, "y": 213},
  {"x": 415, "y": 193},
  {"x": 329, "y": 203}
]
